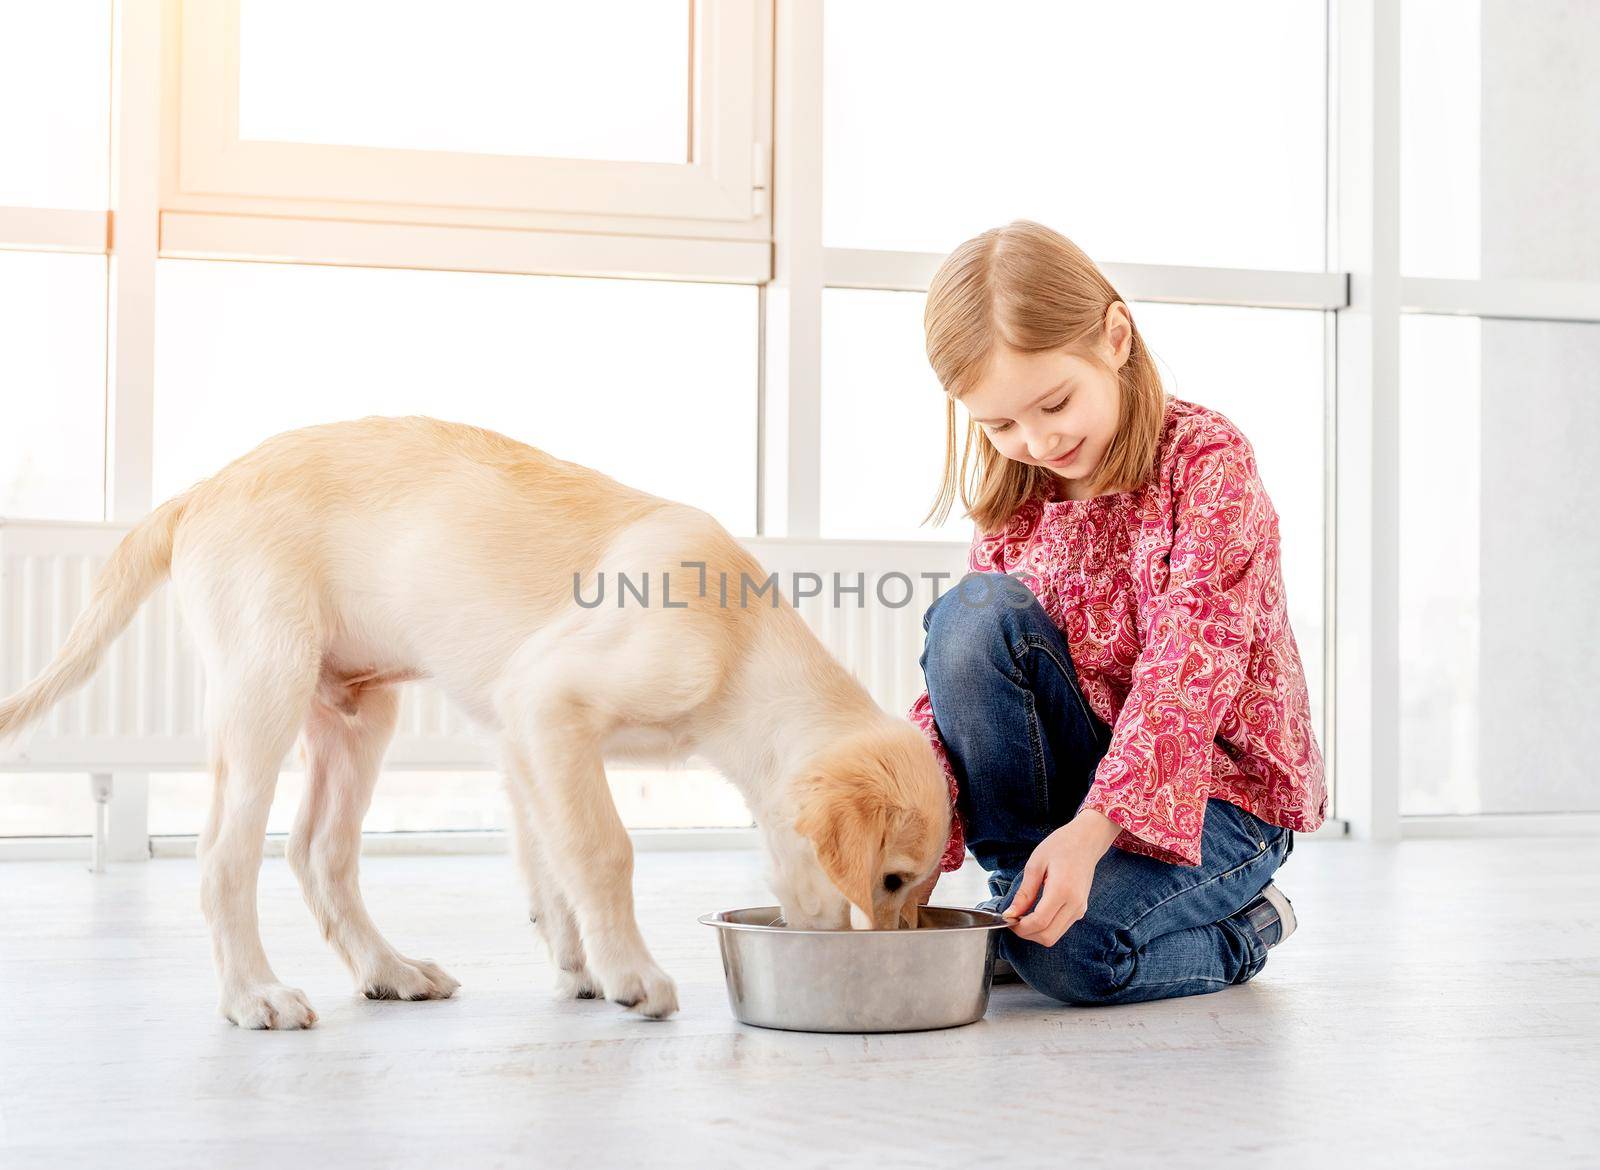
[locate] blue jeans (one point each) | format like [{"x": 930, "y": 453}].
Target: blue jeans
[{"x": 1024, "y": 744}]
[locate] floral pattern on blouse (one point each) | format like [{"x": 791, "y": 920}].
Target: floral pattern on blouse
[{"x": 1171, "y": 599}]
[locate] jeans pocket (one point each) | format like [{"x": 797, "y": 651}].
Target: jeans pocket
[
  {"x": 1267, "y": 835},
  {"x": 1244, "y": 831}
]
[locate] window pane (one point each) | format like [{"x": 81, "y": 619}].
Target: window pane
[
  {"x": 1440, "y": 419},
  {"x": 601, "y": 80},
  {"x": 55, "y": 103},
  {"x": 1262, "y": 368},
  {"x": 1503, "y": 188},
  {"x": 411, "y": 802},
  {"x": 651, "y": 382},
  {"x": 883, "y": 428},
  {"x": 45, "y": 804},
  {"x": 1150, "y": 130},
  {"x": 52, "y": 385},
  {"x": 1499, "y": 565}
]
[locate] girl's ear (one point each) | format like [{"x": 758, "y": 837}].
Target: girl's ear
[{"x": 1119, "y": 334}]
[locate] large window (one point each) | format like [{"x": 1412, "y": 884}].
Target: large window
[
  {"x": 687, "y": 244},
  {"x": 1500, "y": 120},
  {"x": 449, "y": 194}
]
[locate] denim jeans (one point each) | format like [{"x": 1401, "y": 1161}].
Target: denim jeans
[{"x": 1024, "y": 745}]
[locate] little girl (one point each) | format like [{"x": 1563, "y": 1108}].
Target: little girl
[{"x": 1118, "y": 667}]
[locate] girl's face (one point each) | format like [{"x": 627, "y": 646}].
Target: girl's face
[{"x": 1038, "y": 407}]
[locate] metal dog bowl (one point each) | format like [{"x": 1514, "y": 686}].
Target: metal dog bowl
[{"x": 936, "y": 976}]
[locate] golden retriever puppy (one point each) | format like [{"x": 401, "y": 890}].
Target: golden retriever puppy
[{"x": 322, "y": 570}]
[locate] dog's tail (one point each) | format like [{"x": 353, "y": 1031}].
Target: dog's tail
[{"x": 138, "y": 564}]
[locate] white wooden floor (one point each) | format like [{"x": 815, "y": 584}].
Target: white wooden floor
[{"x": 1440, "y": 1006}]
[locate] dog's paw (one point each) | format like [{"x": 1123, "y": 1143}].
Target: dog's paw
[
  {"x": 397, "y": 977},
  {"x": 269, "y": 1005},
  {"x": 648, "y": 991},
  {"x": 577, "y": 984}
]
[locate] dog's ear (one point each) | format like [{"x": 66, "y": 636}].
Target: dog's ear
[
  {"x": 908, "y": 834},
  {"x": 845, "y": 818}
]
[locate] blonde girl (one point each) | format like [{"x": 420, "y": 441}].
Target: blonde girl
[{"x": 1113, "y": 689}]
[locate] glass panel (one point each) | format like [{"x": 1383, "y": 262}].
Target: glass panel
[
  {"x": 410, "y": 802},
  {"x": 1262, "y": 368},
  {"x": 52, "y": 385},
  {"x": 1202, "y": 145},
  {"x": 653, "y": 383},
  {"x": 55, "y": 103},
  {"x": 883, "y": 429},
  {"x": 1502, "y": 188},
  {"x": 1440, "y": 413},
  {"x": 1499, "y": 565},
  {"x": 601, "y": 80},
  {"x": 45, "y": 804}
]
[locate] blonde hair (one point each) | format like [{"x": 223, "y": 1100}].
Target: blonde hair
[{"x": 1030, "y": 288}]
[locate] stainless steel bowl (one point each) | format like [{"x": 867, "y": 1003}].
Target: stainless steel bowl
[{"x": 936, "y": 976}]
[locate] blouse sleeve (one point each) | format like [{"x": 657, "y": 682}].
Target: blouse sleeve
[
  {"x": 1195, "y": 636},
  {"x": 955, "y": 848},
  {"x": 985, "y": 554}
]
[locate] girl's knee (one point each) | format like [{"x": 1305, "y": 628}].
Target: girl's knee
[
  {"x": 969, "y": 621},
  {"x": 1089, "y": 965},
  {"x": 979, "y": 595}
]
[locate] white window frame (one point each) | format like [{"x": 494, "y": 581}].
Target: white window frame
[
  {"x": 49, "y": 229},
  {"x": 224, "y": 197}
]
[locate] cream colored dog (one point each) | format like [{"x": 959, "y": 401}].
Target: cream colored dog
[{"x": 331, "y": 564}]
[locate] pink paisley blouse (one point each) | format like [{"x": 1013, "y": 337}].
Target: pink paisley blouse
[{"x": 1172, "y": 602}]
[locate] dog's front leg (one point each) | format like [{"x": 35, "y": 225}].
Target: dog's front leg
[
  {"x": 554, "y": 758},
  {"x": 547, "y": 903}
]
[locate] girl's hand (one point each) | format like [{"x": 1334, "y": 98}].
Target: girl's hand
[{"x": 1063, "y": 864}]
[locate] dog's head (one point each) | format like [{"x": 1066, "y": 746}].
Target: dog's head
[{"x": 875, "y": 812}]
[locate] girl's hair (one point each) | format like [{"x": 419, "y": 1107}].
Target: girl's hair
[{"x": 1029, "y": 288}]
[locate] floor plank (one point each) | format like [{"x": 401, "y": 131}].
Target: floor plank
[{"x": 1439, "y": 1006}]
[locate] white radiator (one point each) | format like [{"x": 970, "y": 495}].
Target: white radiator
[{"x": 143, "y": 709}]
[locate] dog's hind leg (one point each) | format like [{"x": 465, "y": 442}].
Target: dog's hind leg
[
  {"x": 547, "y": 904},
  {"x": 345, "y": 736},
  {"x": 255, "y": 702}
]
